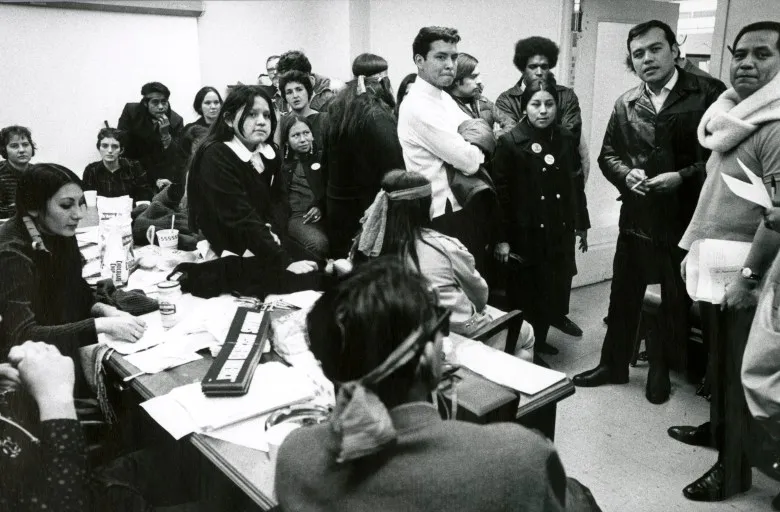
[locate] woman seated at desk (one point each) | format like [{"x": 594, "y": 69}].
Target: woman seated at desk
[
  {"x": 398, "y": 223},
  {"x": 114, "y": 176},
  {"x": 45, "y": 297},
  {"x": 378, "y": 333},
  {"x": 235, "y": 192}
]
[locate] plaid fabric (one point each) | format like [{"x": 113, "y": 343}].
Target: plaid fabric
[
  {"x": 128, "y": 180},
  {"x": 8, "y": 178}
]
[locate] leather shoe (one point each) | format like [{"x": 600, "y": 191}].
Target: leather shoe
[
  {"x": 658, "y": 385},
  {"x": 709, "y": 487},
  {"x": 545, "y": 348},
  {"x": 566, "y": 326},
  {"x": 694, "y": 436},
  {"x": 598, "y": 376}
]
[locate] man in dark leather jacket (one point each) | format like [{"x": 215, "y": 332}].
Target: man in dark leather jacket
[
  {"x": 650, "y": 153},
  {"x": 534, "y": 57}
]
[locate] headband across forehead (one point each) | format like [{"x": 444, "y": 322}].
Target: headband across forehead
[{"x": 372, "y": 235}]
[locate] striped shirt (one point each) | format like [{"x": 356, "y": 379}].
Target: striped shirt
[{"x": 8, "y": 179}]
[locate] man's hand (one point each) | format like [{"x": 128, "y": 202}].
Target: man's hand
[
  {"x": 772, "y": 218},
  {"x": 48, "y": 376},
  {"x": 664, "y": 183},
  {"x": 162, "y": 183},
  {"x": 313, "y": 215},
  {"x": 740, "y": 294},
  {"x": 501, "y": 252},
  {"x": 583, "y": 234},
  {"x": 636, "y": 181}
]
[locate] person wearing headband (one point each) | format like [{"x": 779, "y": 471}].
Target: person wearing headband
[
  {"x": 361, "y": 145},
  {"x": 398, "y": 223},
  {"x": 378, "y": 335}
]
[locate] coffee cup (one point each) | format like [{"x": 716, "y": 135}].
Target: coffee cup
[
  {"x": 90, "y": 197},
  {"x": 168, "y": 238}
]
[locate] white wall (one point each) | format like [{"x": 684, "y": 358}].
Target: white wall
[
  {"x": 489, "y": 30},
  {"x": 236, "y": 37},
  {"x": 65, "y": 71}
]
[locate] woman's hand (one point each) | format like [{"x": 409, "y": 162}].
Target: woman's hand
[
  {"x": 501, "y": 252},
  {"x": 740, "y": 294},
  {"x": 104, "y": 310},
  {"x": 9, "y": 378},
  {"x": 122, "y": 328},
  {"x": 583, "y": 234},
  {"x": 313, "y": 215},
  {"x": 161, "y": 183},
  {"x": 48, "y": 376},
  {"x": 302, "y": 267},
  {"x": 772, "y": 218}
]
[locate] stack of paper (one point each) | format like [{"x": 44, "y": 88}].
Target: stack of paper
[
  {"x": 503, "y": 368},
  {"x": 186, "y": 409},
  {"x": 711, "y": 265}
]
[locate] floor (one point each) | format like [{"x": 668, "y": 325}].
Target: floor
[{"x": 614, "y": 441}]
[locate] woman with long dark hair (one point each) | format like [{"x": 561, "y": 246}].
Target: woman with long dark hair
[
  {"x": 45, "y": 297},
  {"x": 398, "y": 223},
  {"x": 360, "y": 147},
  {"x": 207, "y": 103},
  {"x": 233, "y": 188},
  {"x": 542, "y": 198}
]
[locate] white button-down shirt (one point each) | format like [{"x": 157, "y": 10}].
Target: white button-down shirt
[
  {"x": 659, "y": 99},
  {"x": 428, "y": 131}
]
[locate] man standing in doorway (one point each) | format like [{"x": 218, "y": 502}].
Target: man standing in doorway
[
  {"x": 428, "y": 124},
  {"x": 649, "y": 154}
]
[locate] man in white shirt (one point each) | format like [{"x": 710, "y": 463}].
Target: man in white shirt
[{"x": 428, "y": 131}]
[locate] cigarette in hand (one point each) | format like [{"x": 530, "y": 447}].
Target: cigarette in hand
[{"x": 637, "y": 184}]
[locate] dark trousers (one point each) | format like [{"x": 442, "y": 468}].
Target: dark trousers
[
  {"x": 310, "y": 238},
  {"x": 638, "y": 262},
  {"x": 471, "y": 226},
  {"x": 732, "y": 426}
]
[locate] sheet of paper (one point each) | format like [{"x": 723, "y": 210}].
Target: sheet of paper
[
  {"x": 169, "y": 415},
  {"x": 249, "y": 433},
  {"x": 503, "y": 368},
  {"x": 274, "y": 385},
  {"x": 161, "y": 357},
  {"x": 304, "y": 299},
  {"x": 711, "y": 265},
  {"x": 755, "y": 191},
  {"x": 154, "y": 335}
]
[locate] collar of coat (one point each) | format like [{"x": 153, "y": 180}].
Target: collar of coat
[{"x": 686, "y": 84}]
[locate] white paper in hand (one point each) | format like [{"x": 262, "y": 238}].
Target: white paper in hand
[{"x": 755, "y": 191}]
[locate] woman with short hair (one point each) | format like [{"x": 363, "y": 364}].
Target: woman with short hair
[
  {"x": 17, "y": 148},
  {"x": 114, "y": 176}
]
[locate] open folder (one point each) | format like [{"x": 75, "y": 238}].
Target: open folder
[{"x": 186, "y": 409}]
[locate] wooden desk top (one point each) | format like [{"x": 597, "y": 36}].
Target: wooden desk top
[{"x": 251, "y": 470}]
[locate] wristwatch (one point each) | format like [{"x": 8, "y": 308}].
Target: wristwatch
[{"x": 749, "y": 274}]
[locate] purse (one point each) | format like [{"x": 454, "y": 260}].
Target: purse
[{"x": 465, "y": 188}]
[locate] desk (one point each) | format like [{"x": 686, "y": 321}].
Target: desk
[{"x": 253, "y": 471}]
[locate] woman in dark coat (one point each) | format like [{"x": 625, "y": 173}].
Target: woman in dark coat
[
  {"x": 360, "y": 147},
  {"x": 543, "y": 207}
]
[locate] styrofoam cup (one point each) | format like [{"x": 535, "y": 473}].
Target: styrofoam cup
[
  {"x": 168, "y": 238},
  {"x": 90, "y": 197}
]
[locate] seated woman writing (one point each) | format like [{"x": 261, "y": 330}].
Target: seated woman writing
[
  {"x": 397, "y": 223},
  {"x": 304, "y": 186},
  {"x": 379, "y": 336},
  {"x": 114, "y": 176},
  {"x": 45, "y": 297},
  {"x": 235, "y": 192}
]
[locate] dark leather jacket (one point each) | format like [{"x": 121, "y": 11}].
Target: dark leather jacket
[
  {"x": 639, "y": 138},
  {"x": 568, "y": 115}
]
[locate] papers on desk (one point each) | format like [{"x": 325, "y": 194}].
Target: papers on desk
[
  {"x": 502, "y": 368},
  {"x": 186, "y": 409},
  {"x": 711, "y": 265}
]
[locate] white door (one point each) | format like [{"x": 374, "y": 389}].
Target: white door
[{"x": 600, "y": 77}]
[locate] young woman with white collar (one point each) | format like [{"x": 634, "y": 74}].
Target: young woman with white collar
[{"x": 234, "y": 188}]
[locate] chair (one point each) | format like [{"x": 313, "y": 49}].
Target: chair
[{"x": 511, "y": 322}]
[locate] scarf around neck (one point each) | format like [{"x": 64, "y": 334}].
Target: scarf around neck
[{"x": 729, "y": 121}]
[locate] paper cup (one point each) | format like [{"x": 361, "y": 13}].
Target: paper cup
[
  {"x": 168, "y": 238},
  {"x": 90, "y": 196}
]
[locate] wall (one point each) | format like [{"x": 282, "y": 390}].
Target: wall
[
  {"x": 731, "y": 16},
  {"x": 237, "y": 37},
  {"x": 65, "y": 71},
  {"x": 489, "y": 30}
]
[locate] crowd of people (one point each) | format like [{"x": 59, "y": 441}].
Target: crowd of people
[{"x": 283, "y": 177}]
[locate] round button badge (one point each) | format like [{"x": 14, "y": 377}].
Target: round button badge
[
  {"x": 536, "y": 147},
  {"x": 549, "y": 159},
  {"x": 315, "y": 166}
]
